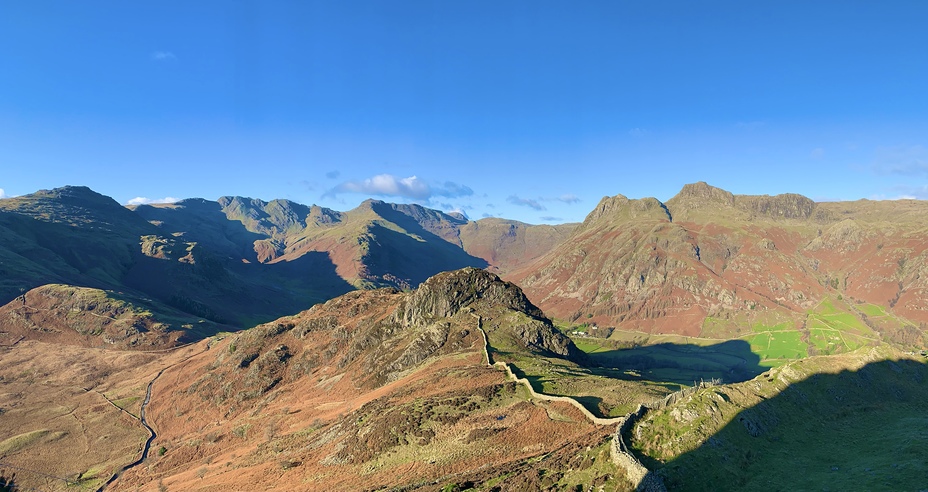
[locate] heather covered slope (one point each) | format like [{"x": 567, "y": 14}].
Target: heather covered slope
[
  {"x": 375, "y": 388},
  {"x": 708, "y": 263}
]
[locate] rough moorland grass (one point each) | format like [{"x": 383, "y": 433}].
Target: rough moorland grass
[{"x": 21, "y": 441}]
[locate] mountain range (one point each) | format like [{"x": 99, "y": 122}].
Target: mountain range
[
  {"x": 238, "y": 343},
  {"x": 237, "y": 261},
  {"x": 706, "y": 263}
]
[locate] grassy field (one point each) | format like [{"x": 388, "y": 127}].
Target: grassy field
[{"x": 776, "y": 347}]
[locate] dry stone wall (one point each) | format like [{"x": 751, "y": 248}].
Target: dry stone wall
[{"x": 644, "y": 480}]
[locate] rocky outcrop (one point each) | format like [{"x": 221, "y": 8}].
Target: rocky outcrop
[
  {"x": 447, "y": 293},
  {"x": 785, "y": 206},
  {"x": 621, "y": 207}
]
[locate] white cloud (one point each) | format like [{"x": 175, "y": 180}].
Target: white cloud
[
  {"x": 903, "y": 192},
  {"x": 412, "y": 187},
  {"x": 163, "y": 56},
  {"x": 2, "y": 193},
  {"x": 387, "y": 185},
  {"x": 817, "y": 153},
  {"x": 882, "y": 197},
  {"x": 568, "y": 198},
  {"x": 141, "y": 200}
]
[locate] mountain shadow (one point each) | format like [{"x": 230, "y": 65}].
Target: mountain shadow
[
  {"x": 402, "y": 260},
  {"x": 204, "y": 222},
  {"x": 863, "y": 429},
  {"x": 730, "y": 361},
  {"x": 7, "y": 484},
  {"x": 36, "y": 252}
]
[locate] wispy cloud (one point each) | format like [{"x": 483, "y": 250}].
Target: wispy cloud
[
  {"x": 883, "y": 196},
  {"x": 817, "y": 153},
  {"x": 568, "y": 198},
  {"x": 163, "y": 56},
  {"x": 638, "y": 132},
  {"x": 452, "y": 190},
  {"x": 904, "y": 192},
  {"x": 905, "y": 161},
  {"x": 548, "y": 218},
  {"x": 525, "y": 202},
  {"x": 454, "y": 209},
  {"x": 412, "y": 187},
  {"x": 2, "y": 193},
  {"x": 333, "y": 174},
  {"x": 141, "y": 200}
]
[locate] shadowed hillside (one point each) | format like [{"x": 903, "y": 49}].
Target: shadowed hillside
[
  {"x": 237, "y": 261},
  {"x": 850, "y": 422},
  {"x": 67, "y": 235}
]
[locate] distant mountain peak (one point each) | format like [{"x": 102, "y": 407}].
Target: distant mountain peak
[
  {"x": 705, "y": 191},
  {"x": 705, "y": 198},
  {"x": 72, "y": 194},
  {"x": 620, "y": 207}
]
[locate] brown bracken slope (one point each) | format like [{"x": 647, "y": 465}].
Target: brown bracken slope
[{"x": 373, "y": 389}]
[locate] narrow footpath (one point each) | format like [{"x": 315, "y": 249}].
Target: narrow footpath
[{"x": 151, "y": 432}]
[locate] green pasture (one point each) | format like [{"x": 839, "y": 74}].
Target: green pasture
[
  {"x": 873, "y": 310},
  {"x": 778, "y": 346}
]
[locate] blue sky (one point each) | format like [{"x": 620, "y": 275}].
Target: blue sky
[{"x": 526, "y": 110}]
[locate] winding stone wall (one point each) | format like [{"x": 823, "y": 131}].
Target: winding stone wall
[{"x": 638, "y": 474}]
